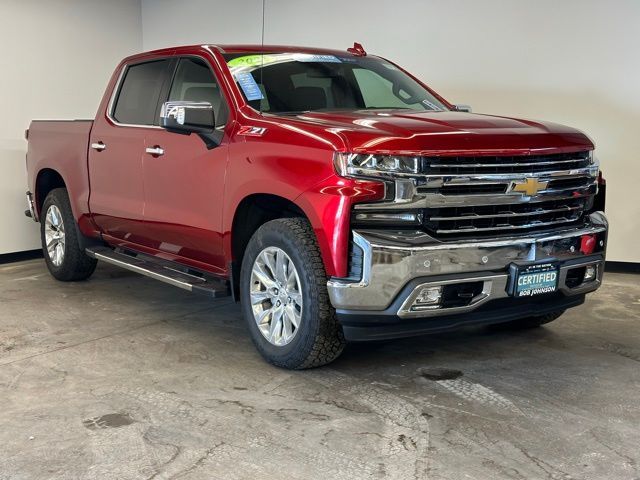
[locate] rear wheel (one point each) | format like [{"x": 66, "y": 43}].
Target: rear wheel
[
  {"x": 283, "y": 289},
  {"x": 60, "y": 239},
  {"x": 529, "y": 322}
]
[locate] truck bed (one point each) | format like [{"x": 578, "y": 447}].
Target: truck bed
[{"x": 61, "y": 145}]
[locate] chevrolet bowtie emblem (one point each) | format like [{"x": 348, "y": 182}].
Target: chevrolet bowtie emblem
[{"x": 530, "y": 186}]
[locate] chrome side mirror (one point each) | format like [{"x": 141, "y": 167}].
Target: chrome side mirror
[
  {"x": 188, "y": 117},
  {"x": 462, "y": 108}
]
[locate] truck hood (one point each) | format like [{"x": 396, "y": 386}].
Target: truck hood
[{"x": 402, "y": 131}]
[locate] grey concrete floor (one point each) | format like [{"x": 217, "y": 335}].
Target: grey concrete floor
[{"x": 122, "y": 377}]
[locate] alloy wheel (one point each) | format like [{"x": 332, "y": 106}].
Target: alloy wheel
[
  {"x": 276, "y": 298},
  {"x": 54, "y": 235}
]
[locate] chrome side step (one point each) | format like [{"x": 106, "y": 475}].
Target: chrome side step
[{"x": 173, "y": 274}]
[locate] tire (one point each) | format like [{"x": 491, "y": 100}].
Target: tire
[
  {"x": 67, "y": 261},
  {"x": 528, "y": 322},
  {"x": 318, "y": 338}
]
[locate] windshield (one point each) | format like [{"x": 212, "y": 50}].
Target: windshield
[{"x": 300, "y": 82}]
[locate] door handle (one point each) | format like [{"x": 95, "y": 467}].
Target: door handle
[
  {"x": 99, "y": 146},
  {"x": 155, "y": 151}
]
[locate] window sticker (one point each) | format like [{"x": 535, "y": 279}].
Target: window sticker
[
  {"x": 251, "y": 61},
  {"x": 249, "y": 86},
  {"x": 389, "y": 66},
  {"x": 307, "y": 57}
]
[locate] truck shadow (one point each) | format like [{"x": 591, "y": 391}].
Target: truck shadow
[{"x": 472, "y": 343}]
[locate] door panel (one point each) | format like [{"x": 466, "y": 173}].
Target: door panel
[
  {"x": 117, "y": 198},
  {"x": 183, "y": 195},
  {"x": 116, "y": 149},
  {"x": 184, "y": 186}
]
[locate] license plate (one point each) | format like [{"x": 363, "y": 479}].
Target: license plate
[{"x": 536, "y": 280}]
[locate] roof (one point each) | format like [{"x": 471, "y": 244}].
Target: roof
[
  {"x": 248, "y": 48},
  {"x": 277, "y": 49},
  {"x": 236, "y": 48}
]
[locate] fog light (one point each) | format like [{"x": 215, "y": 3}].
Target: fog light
[
  {"x": 590, "y": 273},
  {"x": 428, "y": 296}
]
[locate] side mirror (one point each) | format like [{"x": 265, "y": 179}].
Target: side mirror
[
  {"x": 188, "y": 117},
  {"x": 462, "y": 108}
]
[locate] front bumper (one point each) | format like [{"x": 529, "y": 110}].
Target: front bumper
[{"x": 397, "y": 265}]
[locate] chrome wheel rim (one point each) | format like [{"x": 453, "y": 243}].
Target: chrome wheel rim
[
  {"x": 276, "y": 298},
  {"x": 54, "y": 235}
]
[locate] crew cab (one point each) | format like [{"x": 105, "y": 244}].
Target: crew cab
[{"x": 332, "y": 193}]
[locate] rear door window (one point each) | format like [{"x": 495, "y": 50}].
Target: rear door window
[{"x": 139, "y": 93}]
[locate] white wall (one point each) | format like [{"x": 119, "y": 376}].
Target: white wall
[
  {"x": 56, "y": 59},
  {"x": 572, "y": 61}
]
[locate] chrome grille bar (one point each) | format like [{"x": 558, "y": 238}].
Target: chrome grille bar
[
  {"x": 461, "y": 179},
  {"x": 509, "y": 227},
  {"x": 498, "y": 165},
  {"x": 508, "y": 214},
  {"x": 440, "y": 199}
]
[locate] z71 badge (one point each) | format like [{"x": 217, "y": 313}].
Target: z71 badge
[{"x": 251, "y": 131}]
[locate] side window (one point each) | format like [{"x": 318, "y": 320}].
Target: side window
[
  {"x": 139, "y": 93},
  {"x": 194, "y": 81}
]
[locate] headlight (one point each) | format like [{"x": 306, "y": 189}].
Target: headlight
[{"x": 367, "y": 165}]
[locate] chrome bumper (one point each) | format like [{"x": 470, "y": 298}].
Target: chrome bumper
[{"x": 392, "y": 260}]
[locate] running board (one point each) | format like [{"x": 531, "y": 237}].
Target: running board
[{"x": 163, "y": 271}]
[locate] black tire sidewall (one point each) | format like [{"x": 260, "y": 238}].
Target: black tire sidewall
[
  {"x": 295, "y": 352},
  {"x": 76, "y": 265}
]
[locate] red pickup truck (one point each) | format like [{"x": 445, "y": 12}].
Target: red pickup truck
[{"x": 332, "y": 193}]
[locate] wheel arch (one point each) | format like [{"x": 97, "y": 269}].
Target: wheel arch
[
  {"x": 252, "y": 212},
  {"x": 47, "y": 179}
]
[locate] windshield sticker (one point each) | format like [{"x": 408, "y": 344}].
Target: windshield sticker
[
  {"x": 249, "y": 86},
  {"x": 251, "y": 61},
  {"x": 307, "y": 57},
  {"x": 389, "y": 66}
]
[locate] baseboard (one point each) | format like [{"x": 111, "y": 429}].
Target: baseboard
[
  {"x": 622, "y": 267},
  {"x": 20, "y": 256}
]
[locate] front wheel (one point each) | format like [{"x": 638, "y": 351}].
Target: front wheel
[
  {"x": 63, "y": 254},
  {"x": 283, "y": 290}
]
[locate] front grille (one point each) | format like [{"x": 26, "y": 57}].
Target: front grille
[
  {"x": 503, "y": 218},
  {"x": 479, "y": 196},
  {"x": 490, "y": 196},
  {"x": 511, "y": 164}
]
